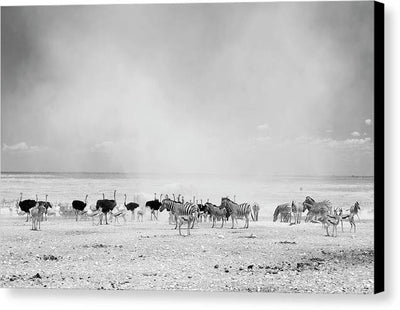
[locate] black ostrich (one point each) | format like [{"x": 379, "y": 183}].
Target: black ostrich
[
  {"x": 203, "y": 210},
  {"x": 131, "y": 206},
  {"x": 79, "y": 206},
  {"x": 46, "y": 205},
  {"x": 26, "y": 205},
  {"x": 154, "y": 205},
  {"x": 106, "y": 206}
]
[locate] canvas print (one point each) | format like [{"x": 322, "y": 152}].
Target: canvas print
[{"x": 222, "y": 147}]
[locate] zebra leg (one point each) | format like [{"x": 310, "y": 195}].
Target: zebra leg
[
  {"x": 188, "y": 229},
  {"x": 193, "y": 220},
  {"x": 213, "y": 222},
  {"x": 233, "y": 222},
  {"x": 180, "y": 224},
  {"x": 222, "y": 220},
  {"x": 327, "y": 231}
]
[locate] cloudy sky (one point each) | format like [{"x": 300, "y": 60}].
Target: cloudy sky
[{"x": 276, "y": 88}]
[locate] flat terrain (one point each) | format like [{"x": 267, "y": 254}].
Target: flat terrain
[{"x": 267, "y": 257}]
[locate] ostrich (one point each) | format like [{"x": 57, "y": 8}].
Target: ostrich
[
  {"x": 202, "y": 209},
  {"x": 154, "y": 205},
  {"x": 26, "y": 205},
  {"x": 106, "y": 206},
  {"x": 131, "y": 206},
  {"x": 79, "y": 206}
]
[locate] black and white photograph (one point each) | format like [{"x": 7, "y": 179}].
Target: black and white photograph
[{"x": 211, "y": 147}]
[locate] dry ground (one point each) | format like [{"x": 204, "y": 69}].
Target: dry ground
[{"x": 267, "y": 257}]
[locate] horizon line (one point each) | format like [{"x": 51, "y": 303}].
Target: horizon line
[{"x": 204, "y": 173}]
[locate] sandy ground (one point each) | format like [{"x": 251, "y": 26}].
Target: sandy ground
[{"x": 267, "y": 257}]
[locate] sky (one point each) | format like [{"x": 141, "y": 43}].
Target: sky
[{"x": 256, "y": 88}]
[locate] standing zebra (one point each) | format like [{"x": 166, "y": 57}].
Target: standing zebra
[
  {"x": 183, "y": 212},
  {"x": 46, "y": 205},
  {"x": 255, "y": 210},
  {"x": 237, "y": 211},
  {"x": 285, "y": 210},
  {"x": 297, "y": 210},
  {"x": 216, "y": 213},
  {"x": 170, "y": 206},
  {"x": 37, "y": 214}
]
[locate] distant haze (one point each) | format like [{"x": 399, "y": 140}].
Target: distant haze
[{"x": 262, "y": 88}]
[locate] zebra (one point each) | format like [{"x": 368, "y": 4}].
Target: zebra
[
  {"x": 255, "y": 210},
  {"x": 236, "y": 211},
  {"x": 183, "y": 212},
  {"x": 285, "y": 210},
  {"x": 316, "y": 209},
  {"x": 297, "y": 210},
  {"x": 217, "y": 213}
]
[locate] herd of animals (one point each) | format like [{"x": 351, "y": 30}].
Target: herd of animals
[{"x": 181, "y": 211}]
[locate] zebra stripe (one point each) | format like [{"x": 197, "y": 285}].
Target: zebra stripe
[
  {"x": 182, "y": 212},
  {"x": 216, "y": 213},
  {"x": 237, "y": 211}
]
